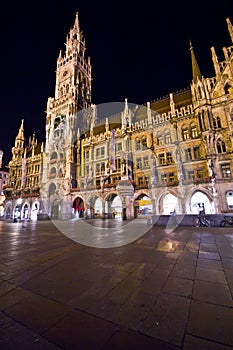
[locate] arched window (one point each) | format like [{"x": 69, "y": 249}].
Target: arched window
[
  {"x": 167, "y": 137},
  {"x": 137, "y": 144},
  {"x": 229, "y": 199},
  {"x": 221, "y": 147},
  {"x": 193, "y": 131},
  {"x": 160, "y": 140},
  {"x": 144, "y": 142},
  {"x": 185, "y": 132},
  {"x": 217, "y": 123}
]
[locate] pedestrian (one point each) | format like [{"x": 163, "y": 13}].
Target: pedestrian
[{"x": 173, "y": 214}]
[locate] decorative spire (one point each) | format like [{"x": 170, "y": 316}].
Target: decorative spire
[
  {"x": 20, "y": 135},
  {"x": 76, "y": 23},
  {"x": 230, "y": 28},
  {"x": 195, "y": 68}
]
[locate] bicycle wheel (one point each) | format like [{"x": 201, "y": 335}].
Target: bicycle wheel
[
  {"x": 207, "y": 223},
  {"x": 196, "y": 222},
  {"x": 222, "y": 223}
]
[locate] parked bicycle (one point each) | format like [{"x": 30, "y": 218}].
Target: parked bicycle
[
  {"x": 201, "y": 221},
  {"x": 227, "y": 221}
]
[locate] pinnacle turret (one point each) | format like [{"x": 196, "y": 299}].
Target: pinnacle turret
[{"x": 195, "y": 68}]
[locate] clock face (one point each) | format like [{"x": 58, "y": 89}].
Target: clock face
[{"x": 65, "y": 73}]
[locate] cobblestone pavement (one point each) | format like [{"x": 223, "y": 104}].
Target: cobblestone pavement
[{"x": 162, "y": 291}]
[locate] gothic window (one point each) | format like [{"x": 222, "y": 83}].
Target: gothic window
[
  {"x": 53, "y": 172},
  {"x": 226, "y": 170},
  {"x": 144, "y": 142},
  {"x": 221, "y": 147},
  {"x": 229, "y": 199},
  {"x": 167, "y": 137},
  {"x": 160, "y": 140},
  {"x": 56, "y": 122},
  {"x": 216, "y": 122},
  {"x": 137, "y": 144},
  {"x": 53, "y": 157},
  {"x": 185, "y": 133},
  {"x": 193, "y": 131}
]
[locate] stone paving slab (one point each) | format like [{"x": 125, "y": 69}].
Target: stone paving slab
[{"x": 163, "y": 291}]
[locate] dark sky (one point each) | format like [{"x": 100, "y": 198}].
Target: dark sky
[{"x": 138, "y": 50}]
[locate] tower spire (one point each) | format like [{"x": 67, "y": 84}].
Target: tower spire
[
  {"x": 195, "y": 68},
  {"x": 20, "y": 135},
  {"x": 76, "y": 22},
  {"x": 230, "y": 28}
]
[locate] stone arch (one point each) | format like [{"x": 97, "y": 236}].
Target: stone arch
[
  {"x": 196, "y": 198},
  {"x": 78, "y": 207},
  {"x": 168, "y": 201},
  {"x": 142, "y": 203},
  {"x": 113, "y": 205}
]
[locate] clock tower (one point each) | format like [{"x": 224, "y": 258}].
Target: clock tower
[{"x": 72, "y": 95}]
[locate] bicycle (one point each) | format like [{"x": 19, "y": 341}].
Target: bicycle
[{"x": 201, "y": 221}]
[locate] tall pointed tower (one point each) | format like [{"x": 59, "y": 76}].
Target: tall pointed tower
[{"x": 72, "y": 95}]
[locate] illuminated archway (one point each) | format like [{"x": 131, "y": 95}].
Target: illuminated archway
[
  {"x": 170, "y": 202},
  {"x": 199, "y": 201}
]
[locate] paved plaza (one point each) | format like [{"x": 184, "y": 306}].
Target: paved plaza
[{"x": 165, "y": 290}]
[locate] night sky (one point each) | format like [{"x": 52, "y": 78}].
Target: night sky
[{"x": 139, "y": 51}]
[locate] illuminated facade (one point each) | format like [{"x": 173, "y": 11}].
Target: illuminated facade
[
  {"x": 171, "y": 153},
  {"x": 22, "y": 190}
]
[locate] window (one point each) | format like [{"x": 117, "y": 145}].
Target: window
[
  {"x": 118, "y": 164},
  {"x": 118, "y": 147},
  {"x": 188, "y": 154},
  {"x": 139, "y": 163},
  {"x": 146, "y": 162},
  {"x": 137, "y": 144},
  {"x": 200, "y": 173},
  {"x": 160, "y": 140},
  {"x": 216, "y": 123},
  {"x": 97, "y": 169},
  {"x": 185, "y": 133},
  {"x": 164, "y": 178},
  {"x": 196, "y": 152},
  {"x": 190, "y": 174},
  {"x": 193, "y": 130},
  {"x": 99, "y": 152},
  {"x": 169, "y": 158},
  {"x": 221, "y": 147},
  {"x": 226, "y": 170},
  {"x": 140, "y": 180},
  {"x": 171, "y": 177},
  {"x": 144, "y": 142},
  {"x": 162, "y": 159},
  {"x": 87, "y": 156},
  {"x": 167, "y": 137}
]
